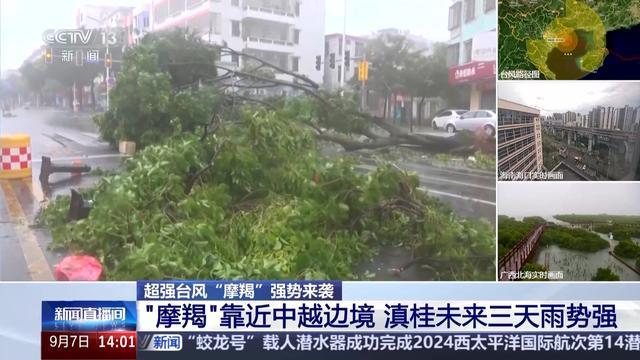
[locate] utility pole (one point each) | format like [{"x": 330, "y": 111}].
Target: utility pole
[
  {"x": 344, "y": 46},
  {"x": 107, "y": 80}
]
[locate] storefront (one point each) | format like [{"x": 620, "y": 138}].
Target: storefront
[{"x": 478, "y": 72}]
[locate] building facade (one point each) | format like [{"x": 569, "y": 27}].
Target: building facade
[
  {"x": 354, "y": 50},
  {"x": 471, "y": 54},
  {"x": 519, "y": 138},
  {"x": 287, "y": 33}
]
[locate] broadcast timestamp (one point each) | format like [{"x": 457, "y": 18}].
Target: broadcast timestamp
[{"x": 89, "y": 345}]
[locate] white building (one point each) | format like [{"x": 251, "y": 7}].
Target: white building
[
  {"x": 288, "y": 33},
  {"x": 333, "y": 50},
  {"x": 140, "y": 23},
  {"x": 102, "y": 16}
]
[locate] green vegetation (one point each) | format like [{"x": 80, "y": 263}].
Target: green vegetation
[
  {"x": 601, "y": 218},
  {"x": 605, "y": 274},
  {"x": 154, "y": 98},
  {"x": 620, "y": 231},
  {"x": 268, "y": 207},
  {"x": 623, "y": 227},
  {"x": 549, "y": 154},
  {"x": 573, "y": 239},
  {"x": 537, "y": 268},
  {"x": 638, "y": 262},
  {"x": 627, "y": 249},
  {"x": 511, "y": 231},
  {"x": 227, "y": 189}
]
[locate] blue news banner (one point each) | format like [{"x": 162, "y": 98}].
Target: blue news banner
[{"x": 311, "y": 320}]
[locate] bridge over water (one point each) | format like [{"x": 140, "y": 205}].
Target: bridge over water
[{"x": 524, "y": 250}]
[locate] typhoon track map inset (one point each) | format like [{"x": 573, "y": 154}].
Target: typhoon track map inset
[{"x": 569, "y": 39}]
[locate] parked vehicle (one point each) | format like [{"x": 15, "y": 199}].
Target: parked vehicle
[
  {"x": 446, "y": 116},
  {"x": 473, "y": 121}
]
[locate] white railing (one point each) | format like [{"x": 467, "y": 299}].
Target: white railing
[
  {"x": 269, "y": 10},
  {"x": 269, "y": 41}
]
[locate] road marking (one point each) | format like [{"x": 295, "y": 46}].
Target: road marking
[
  {"x": 371, "y": 168},
  {"x": 35, "y": 189},
  {"x": 457, "y": 182},
  {"x": 457, "y": 196},
  {"x": 34, "y": 256}
]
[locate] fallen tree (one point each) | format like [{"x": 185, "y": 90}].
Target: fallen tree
[{"x": 243, "y": 191}]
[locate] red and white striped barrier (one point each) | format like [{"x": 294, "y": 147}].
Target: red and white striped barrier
[{"x": 15, "y": 161}]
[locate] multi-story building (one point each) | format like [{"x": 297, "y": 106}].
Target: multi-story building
[
  {"x": 635, "y": 126},
  {"x": 354, "y": 50},
  {"x": 102, "y": 16},
  {"x": 519, "y": 138},
  {"x": 288, "y": 33},
  {"x": 471, "y": 55},
  {"x": 596, "y": 117},
  {"x": 625, "y": 118},
  {"x": 140, "y": 23}
]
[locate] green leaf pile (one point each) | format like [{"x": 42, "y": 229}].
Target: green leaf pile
[{"x": 270, "y": 207}]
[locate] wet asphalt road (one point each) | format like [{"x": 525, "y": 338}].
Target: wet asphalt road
[{"x": 66, "y": 137}]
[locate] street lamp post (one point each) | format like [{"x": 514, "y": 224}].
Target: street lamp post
[{"x": 344, "y": 46}]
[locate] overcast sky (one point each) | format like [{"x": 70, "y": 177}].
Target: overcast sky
[
  {"x": 578, "y": 96},
  {"x": 553, "y": 198},
  {"x": 23, "y": 21}
]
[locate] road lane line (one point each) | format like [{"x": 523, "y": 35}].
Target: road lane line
[
  {"x": 456, "y": 196},
  {"x": 37, "y": 263},
  {"x": 371, "y": 168},
  {"x": 457, "y": 182}
]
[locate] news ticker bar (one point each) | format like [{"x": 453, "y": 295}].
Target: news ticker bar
[{"x": 262, "y": 318}]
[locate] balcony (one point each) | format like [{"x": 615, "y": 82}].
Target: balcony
[
  {"x": 270, "y": 14},
  {"x": 259, "y": 43}
]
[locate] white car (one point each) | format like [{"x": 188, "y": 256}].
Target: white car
[
  {"x": 473, "y": 121},
  {"x": 444, "y": 117}
]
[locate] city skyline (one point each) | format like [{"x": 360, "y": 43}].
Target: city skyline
[{"x": 575, "y": 96}]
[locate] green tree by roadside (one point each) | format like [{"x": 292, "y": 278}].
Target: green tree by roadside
[{"x": 605, "y": 274}]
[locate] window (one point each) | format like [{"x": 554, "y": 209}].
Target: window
[
  {"x": 469, "y": 10},
  {"x": 444, "y": 113},
  {"x": 295, "y": 64},
  {"x": 359, "y": 49},
  {"x": 297, "y": 8},
  {"x": 339, "y": 73},
  {"x": 489, "y": 5},
  {"x": 235, "y": 58},
  {"x": 296, "y": 36},
  {"x": 326, "y": 48},
  {"x": 454, "y": 15},
  {"x": 467, "y": 52},
  {"x": 453, "y": 55},
  {"x": 235, "y": 2},
  {"x": 340, "y": 46},
  {"x": 235, "y": 28}
]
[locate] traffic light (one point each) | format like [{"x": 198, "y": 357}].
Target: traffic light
[
  {"x": 347, "y": 59},
  {"x": 363, "y": 70},
  {"x": 48, "y": 56},
  {"x": 332, "y": 60},
  {"x": 318, "y": 62},
  {"x": 107, "y": 60}
]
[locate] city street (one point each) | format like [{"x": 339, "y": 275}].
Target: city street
[{"x": 64, "y": 137}]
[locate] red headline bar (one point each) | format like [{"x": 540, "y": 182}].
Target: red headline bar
[{"x": 112, "y": 345}]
